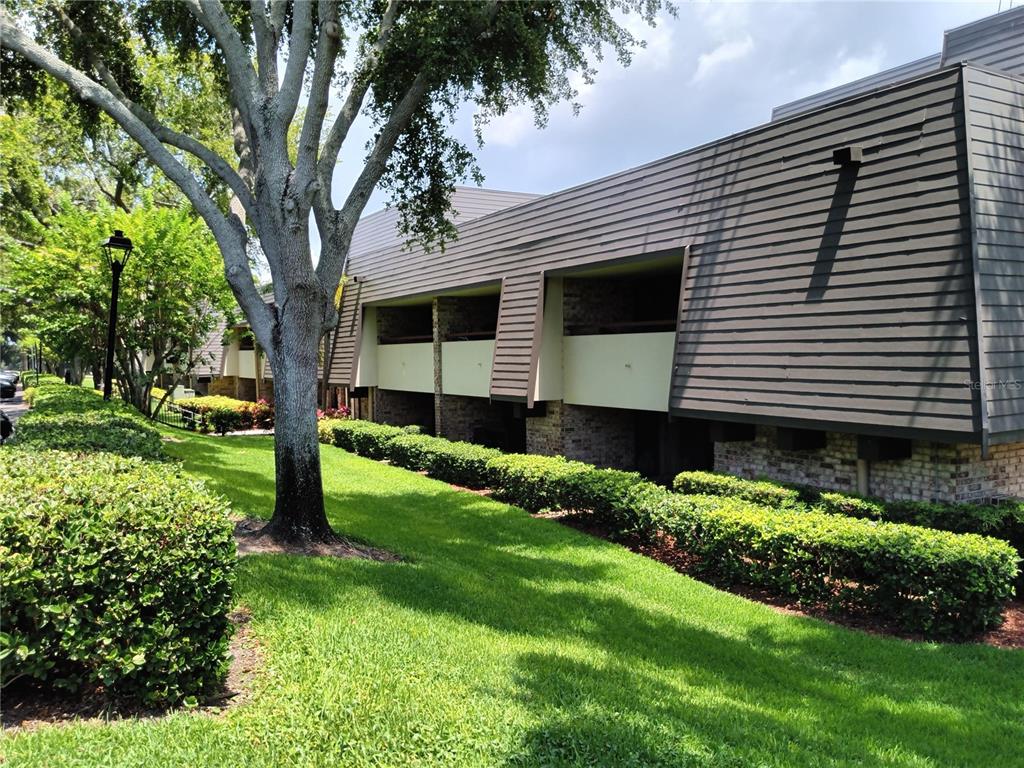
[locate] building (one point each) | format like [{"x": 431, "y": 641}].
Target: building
[{"x": 835, "y": 297}]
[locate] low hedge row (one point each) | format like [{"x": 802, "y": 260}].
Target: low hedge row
[
  {"x": 934, "y": 582},
  {"x": 757, "y": 491},
  {"x": 77, "y": 419},
  {"x": 1002, "y": 520},
  {"x": 117, "y": 574}
]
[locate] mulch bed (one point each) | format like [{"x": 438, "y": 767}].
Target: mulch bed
[
  {"x": 27, "y": 710},
  {"x": 1009, "y": 635},
  {"x": 250, "y": 542}
]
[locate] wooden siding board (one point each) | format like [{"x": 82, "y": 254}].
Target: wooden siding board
[
  {"x": 760, "y": 200},
  {"x": 995, "y": 107},
  {"x": 516, "y": 341}
]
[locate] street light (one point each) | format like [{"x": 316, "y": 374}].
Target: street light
[{"x": 117, "y": 249}]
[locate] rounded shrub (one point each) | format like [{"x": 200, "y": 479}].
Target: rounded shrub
[
  {"x": 758, "y": 491},
  {"x": 117, "y": 576},
  {"x": 411, "y": 450},
  {"x": 465, "y": 464},
  {"x": 532, "y": 482}
]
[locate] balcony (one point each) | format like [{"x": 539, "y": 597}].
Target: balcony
[
  {"x": 406, "y": 367},
  {"x": 623, "y": 370},
  {"x": 466, "y": 367}
]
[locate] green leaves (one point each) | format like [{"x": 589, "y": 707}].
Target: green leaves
[{"x": 149, "y": 620}]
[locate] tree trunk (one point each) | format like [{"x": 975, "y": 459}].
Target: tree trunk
[{"x": 299, "y": 515}]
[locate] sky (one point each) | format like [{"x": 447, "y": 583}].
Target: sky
[{"x": 715, "y": 69}]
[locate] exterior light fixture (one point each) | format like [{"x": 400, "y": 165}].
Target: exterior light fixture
[{"x": 117, "y": 248}]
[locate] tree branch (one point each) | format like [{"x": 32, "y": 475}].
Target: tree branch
[
  {"x": 215, "y": 162},
  {"x": 266, "y": 46},
  {"x": 354, "y": 100},
  {"x": 330, "y": 266},
  {"x": 298, "y": 54},
  {"x": 327, "y": 47},
  {"x": 230, "y": 237},
  {"x": 244, "y": 81}
]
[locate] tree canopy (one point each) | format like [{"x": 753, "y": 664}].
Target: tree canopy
[{"x": 309, "y": 68}]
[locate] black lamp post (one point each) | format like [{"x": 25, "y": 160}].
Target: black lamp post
[{"x": 117, "y": 249}]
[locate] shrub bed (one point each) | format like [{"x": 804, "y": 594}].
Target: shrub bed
[
  {"x": 1003, "y": 520},
  {"x": 226, "y": 414},
  {"x": 934, "y": 582},
  {"x": 412, "y": 451},
  {"x": 117, "y": 574},
  {"x": 757, "y": 491},
  {"x": 77, "y": 419}
]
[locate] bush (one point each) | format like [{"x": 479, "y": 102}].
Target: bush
[
  {"x": 851, "y": 506},
  {"x": 412, "y": 451},
  {"x": 465, "y": 464},
  {"x": 325, "y": 430},
  {"x": 601, "y": 491},
  {"x": 28, "y": 395},
  {"x": 365, "y": 438},
  {"x": 224, "y": 420},
  {"x": 117, "y": 573},
  {"x": 215, "y": 411},
  {"x": 934, "y": 582},
  {"x": 532, "y": 482},
  {"x": 758, "y": 491},
  {"x": 77, "y": 419}
]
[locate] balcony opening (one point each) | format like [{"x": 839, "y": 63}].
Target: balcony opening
[
  {"x": 405, "y": 324},
  {"x": 622, "y": 303},
  {"x": 468, "y": 318}
]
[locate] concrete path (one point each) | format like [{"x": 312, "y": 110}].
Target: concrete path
[{"x": 15, "y": 407}]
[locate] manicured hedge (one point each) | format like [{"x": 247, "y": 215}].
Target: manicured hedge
[
  {"x": 532, "y": 482},
  {"x": 757, "y": 491},
  {"x": 464, "y": 464},
  {"x": 411, "y": 451},
  {"x": 77, "y": 419},
  {"x": 117, "y": 574},
  {"x": 1003, "y": 520},
  {"x": 934, "y": 582}
]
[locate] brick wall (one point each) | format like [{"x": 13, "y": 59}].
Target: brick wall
[
  {"x": 404, "y": 321},
  {"x": 226, "y": 386},
  {"x": 404, "y": 408},
  {"x": 589, "y": 301},
  {"x": 464, "y": 417},
  {"x": 934, "y": 471},
  {"x": 602, "y": 436}
]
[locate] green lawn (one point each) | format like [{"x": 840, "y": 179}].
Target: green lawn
[{"x": 506, "y": 640}]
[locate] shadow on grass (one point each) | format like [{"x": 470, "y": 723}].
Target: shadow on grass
[{"x": 668, "y": 676}]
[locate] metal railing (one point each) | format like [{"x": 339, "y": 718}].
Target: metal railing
[{"x": 174, "y": 415}]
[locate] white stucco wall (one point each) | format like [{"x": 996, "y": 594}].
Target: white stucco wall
[
  {"x": 628, "y": 370},
  {"x": 406, "y": 367},
  {"x": 466, "y": 367}
]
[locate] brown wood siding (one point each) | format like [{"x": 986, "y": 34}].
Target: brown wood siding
[
  {"x": 995, "y": 109},
  {"x": 344, "y": 345},
  {"x": 518, "y": 337},
  {"x": 996, "y": 41},
  {"x": 842, "y": 295},
  {"x": 809, "y": 296}
]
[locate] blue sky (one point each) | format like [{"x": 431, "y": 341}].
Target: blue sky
[{"x": 715, "y": 69}]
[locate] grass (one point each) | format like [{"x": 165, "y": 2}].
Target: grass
[{"x": 510, "y": 641}]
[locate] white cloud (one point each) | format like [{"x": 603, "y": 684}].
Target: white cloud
[
  {"x": 660, "y": 41},
  {"x": 511, "y": 128},
  {"x": 850, "y": 68},
  {"x": 732, "y": 50}
]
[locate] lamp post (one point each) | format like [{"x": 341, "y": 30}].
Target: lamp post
[{"x": 117, "y": 249}]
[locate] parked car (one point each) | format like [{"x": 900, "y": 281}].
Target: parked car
[{"x": 8, "y": 388}]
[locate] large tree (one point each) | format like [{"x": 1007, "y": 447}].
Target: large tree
[
  {"x": 408, "y": 66},
  {"x": 172, "y": 294}
]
